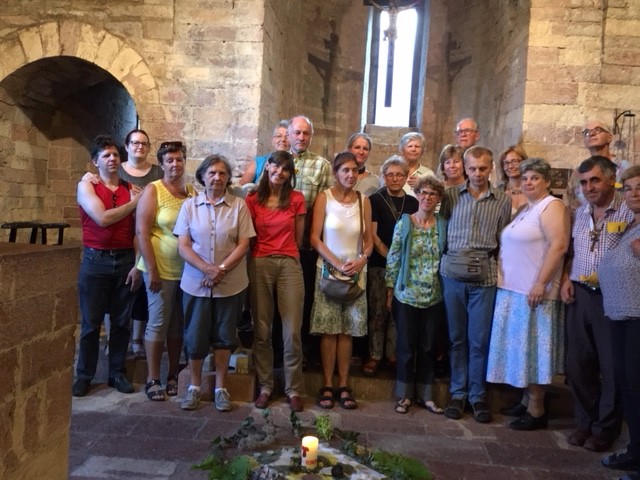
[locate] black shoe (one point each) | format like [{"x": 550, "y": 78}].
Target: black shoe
[
  {"x": 621, "y": 461},
  {"x": 514, "y": 410},
  {"x": 455, "y": 409},
  {"x": 481, "y": 412},
  {"x": 81, "y": 387},
  {"x": 120, "y": 383},
  {"x": 528, "y": 422}
]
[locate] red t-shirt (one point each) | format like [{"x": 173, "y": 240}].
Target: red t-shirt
[
  {"x": 115, "y": 236},
  {"x": 276, "y": 228}
]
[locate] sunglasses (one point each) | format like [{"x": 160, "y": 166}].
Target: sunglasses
[{"x": 164, "y": 145}]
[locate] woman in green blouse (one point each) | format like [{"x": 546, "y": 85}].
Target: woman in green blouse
[{"x": 415, "y": 296}]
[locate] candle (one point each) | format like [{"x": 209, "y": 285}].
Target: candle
[{"x": 309, "y": 452}]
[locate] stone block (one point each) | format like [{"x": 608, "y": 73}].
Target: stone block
[
  {"x": 241, "y": 387},
  {"x": 123, "y": 62},
  {"x": 551, "y": 93},
  {"x": 622, "y": 27},
  {"x": 158, "y": 30},
  {"x": 8, "y": 373},
  {"x": 90, "y": 42},
  {"x": 46, "y": 356},
  {"x": 57, "y": 408},
  {"x": 8, "y": 458},
  {"x": 50, "y": 36},
  {"x": 12, "y": 58},
  {"x": 31, "y": 43},
  {"x": 32, "y": 413},
  {"x": 107, "y": 51}
]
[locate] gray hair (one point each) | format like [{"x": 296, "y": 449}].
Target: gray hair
[
  {"x": 395, "y": 161},
  {"x": 429, "y": 181},
  {"x": 407, "y": 137},
  {"x": 538, "y": 165}
]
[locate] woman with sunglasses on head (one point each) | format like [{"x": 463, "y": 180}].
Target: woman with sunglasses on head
[
  {"x": 277, "y": 211},
  {"x": 162, "y": 266}
]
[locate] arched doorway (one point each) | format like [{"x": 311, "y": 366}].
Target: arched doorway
[{"x": 69, "y": 83}]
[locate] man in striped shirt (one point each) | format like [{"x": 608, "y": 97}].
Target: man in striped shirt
[{"x": 476, "y": 212}]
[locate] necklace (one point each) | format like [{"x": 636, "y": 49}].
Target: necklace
[{"x": 392, "y": 206}]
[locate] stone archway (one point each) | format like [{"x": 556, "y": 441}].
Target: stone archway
[{"x": 61, "y": 84}]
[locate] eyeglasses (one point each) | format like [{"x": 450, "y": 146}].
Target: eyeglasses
[
  {"x": 394, "y": 175},
  {"x": 136, "y": 143},
  {"x": 465, "y": 131},
  {"x": 164, "y": 145},
  {"x": 508, "y": 163},
  {"x": 590, "y": 132},
  {"x": 424, "y": 193}
]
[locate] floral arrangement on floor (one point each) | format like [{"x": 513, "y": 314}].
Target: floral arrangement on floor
[{"x": 351, "y": 460}]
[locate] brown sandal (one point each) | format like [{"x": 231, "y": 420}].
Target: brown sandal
[{"x": 370, "y": 367}]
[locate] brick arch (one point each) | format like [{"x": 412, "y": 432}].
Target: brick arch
[{"x": 84, "y": 41}]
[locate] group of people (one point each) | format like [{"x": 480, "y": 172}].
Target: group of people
[{"x": 441, "y": 263}]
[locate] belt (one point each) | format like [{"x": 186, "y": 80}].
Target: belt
[
  {"x": 116, "y": 252},
  {"x": 590, "y": 288}
]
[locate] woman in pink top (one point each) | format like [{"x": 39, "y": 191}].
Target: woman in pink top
[{"x": 278, "y": 214}]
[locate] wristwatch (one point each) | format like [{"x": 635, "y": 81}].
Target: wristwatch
[{"x": 223, "y": 267}]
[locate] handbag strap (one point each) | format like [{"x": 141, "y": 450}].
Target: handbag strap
[{"x": 360, "y": 237}]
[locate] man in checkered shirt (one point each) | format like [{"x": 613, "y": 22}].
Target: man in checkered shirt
[
  {"x": 313, "y": 175},
  {"x": 598, "y": 226}
]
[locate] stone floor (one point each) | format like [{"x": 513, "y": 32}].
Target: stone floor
[{"x": 128, "y": 437}]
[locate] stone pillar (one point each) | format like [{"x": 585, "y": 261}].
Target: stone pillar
[{"x": 38, "y": 316}]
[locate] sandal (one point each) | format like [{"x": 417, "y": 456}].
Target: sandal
[
  {"x": 154, "y": 391},
  {"x": 430, "y": 406},
  {"x": 172, "y": 385},
  {"x": 402, "y": 405},
  {"x": 325, "y": 401},
  {"x": 347, "y": 402},
  {"x": 370, "y": 367}
]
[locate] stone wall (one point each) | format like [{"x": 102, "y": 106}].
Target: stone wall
[
  {"x": 476, "y": 67},
  {"x": 584, "y": 62},
  {"x": 38, "y": 315}
]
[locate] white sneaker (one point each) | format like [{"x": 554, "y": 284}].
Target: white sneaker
[
  {"x": 191, "y": 399},
  {"x": 223, "y": 400}
]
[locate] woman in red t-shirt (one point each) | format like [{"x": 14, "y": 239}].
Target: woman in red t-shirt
[{"x": 278, "y": 214}]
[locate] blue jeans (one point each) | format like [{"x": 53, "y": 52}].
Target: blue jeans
[
  {"x": 102, "y": 289},
  {"x": 469, "y": 316}
]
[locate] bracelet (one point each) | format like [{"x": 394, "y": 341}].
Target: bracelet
[{"x": 364, "y": 255}]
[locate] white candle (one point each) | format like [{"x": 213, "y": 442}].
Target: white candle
[{"x": 309, "y": 452}]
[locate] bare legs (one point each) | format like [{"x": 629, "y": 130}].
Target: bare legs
[{"x": 336, "y": 349}]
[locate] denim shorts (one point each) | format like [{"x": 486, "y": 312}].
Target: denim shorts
[{"x": 210, "y": 322}]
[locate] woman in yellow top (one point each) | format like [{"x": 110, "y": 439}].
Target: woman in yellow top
[{"x": 156, "y": 216}]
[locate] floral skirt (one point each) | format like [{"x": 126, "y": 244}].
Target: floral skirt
[
  {"x": 331, "y": 317},
  {"x": 527, "y": 344}
]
